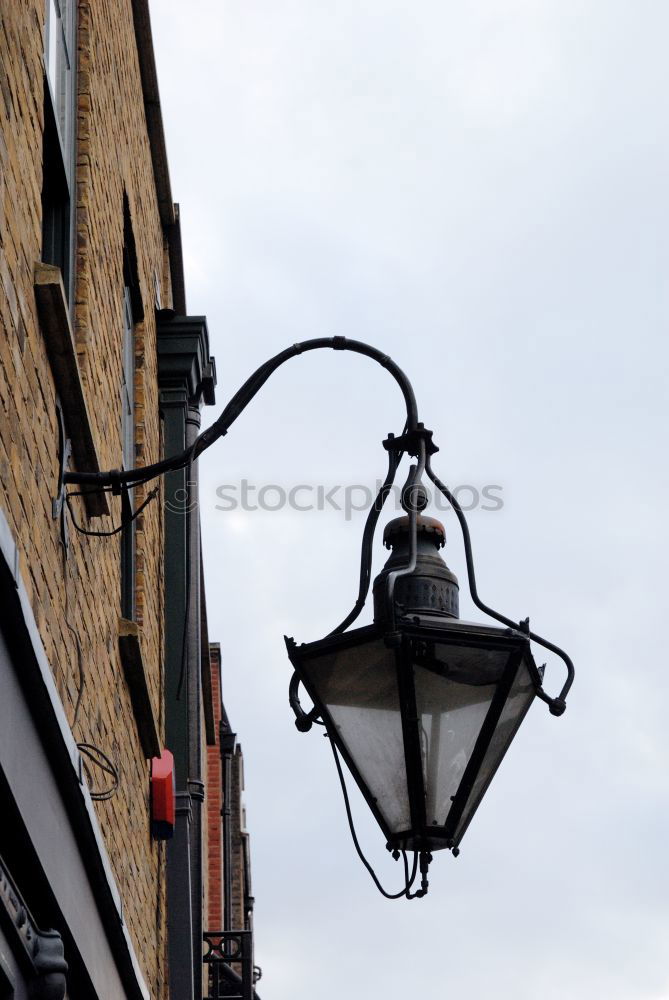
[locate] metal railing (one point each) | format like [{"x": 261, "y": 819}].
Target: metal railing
[{"x": 228, "y": 958}]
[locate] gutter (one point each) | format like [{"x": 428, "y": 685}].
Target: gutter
[
  {"x": 169, "y": 212},
  {"x": 152, "y": 110}
]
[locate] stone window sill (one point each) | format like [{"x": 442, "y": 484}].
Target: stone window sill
[
  {"x": 54, "y": 318},
  {"x": 135, "y": 676}
]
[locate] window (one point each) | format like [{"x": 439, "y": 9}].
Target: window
[
  {"x": 58, "y": 139},
  {"x": 58, "y": 59},
  {"x": 128, "y": 435},
  {"x": 128, "y": 388}
]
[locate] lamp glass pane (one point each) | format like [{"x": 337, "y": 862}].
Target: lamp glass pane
[
  {"x": 513, "y": 713},
  {"x": 451, "y": 715},
  {"x": 358, "y": 686}
]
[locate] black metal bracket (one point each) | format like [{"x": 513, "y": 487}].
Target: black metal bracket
[
  {"x": 410, "y": 441},
  {"x": 116, "y": 482},
  {"x": 303, "y": 720}
]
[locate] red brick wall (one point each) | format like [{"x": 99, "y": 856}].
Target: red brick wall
[{"x": 214, "y": 804}]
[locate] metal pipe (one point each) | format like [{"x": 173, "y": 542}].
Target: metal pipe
[
  {"x": 227, "y": 740},
  {"x": 193, "y": 685},
  {"x": 227, "y": 840}
]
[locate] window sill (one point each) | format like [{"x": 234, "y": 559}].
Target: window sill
[
  {"x": 135, "y": 676},
  {"x": 54, "y": 318}
]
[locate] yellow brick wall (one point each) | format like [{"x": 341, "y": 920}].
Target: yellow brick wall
[{"x": 80, "y": 594}]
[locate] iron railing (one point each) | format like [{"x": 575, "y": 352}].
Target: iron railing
[{"x": 228, "y": 958}]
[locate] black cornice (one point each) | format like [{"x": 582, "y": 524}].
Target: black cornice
[{"x": 184, "y": 362}]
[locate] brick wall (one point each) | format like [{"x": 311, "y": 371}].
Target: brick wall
[
  {"x": 214, "y": 804},
  {"x": 76, "y": 597}
]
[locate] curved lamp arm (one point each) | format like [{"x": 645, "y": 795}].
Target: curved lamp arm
[
  {"x": 116, "y": 479},
  {"x": 414, "y": 433}
]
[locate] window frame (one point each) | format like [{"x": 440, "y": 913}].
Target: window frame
[
  {"x": 59, "y": 139},
  {"x": 128, "y": 533}
]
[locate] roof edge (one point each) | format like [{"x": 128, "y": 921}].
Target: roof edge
[
  {"x": 154, "y": 118},
  {"x": 168, "y": 211}
]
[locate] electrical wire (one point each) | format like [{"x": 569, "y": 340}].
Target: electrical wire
[
  {"x": 125, "y": 521},
  {"x": 80, "y": 655},
  {"x": 82, "y": 676},
  {"x": 408, "y": 881},
  {"x": 100, "y": 760}
]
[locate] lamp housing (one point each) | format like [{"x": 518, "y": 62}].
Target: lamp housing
[{"x": 421, "y": 706}]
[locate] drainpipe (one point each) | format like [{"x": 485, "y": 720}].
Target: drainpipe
[
  {"x": 193, "y": 685},
  {"x": 174, "y": 403},
  {"x": 227, "y": 743},
  {"x": 186, "y": 375}
]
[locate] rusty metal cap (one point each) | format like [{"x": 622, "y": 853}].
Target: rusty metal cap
[{"x": 428, "y": 528}]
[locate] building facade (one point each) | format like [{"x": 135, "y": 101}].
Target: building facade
[
  {"x": 230, "y": 901},
  {"x": 104, "y": 651}
]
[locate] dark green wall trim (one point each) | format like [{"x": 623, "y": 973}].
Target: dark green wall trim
[
  {"x": 184, "y": 361},
  {"x": 186, "y": 376}
]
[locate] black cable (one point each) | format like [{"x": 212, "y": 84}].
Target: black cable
[
  {"x": 80, "y": 664},
  {"x": 125, "y": 521},
  {"x": 80, "y": 655},
  {"x": 100, "y": 759},
  {"x": 408, "y": 881}
]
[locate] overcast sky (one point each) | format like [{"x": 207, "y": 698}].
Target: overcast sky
[{"x": 479, "y": 189}]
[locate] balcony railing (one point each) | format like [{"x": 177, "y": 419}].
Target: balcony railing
[{"x": 228, "y": 958}]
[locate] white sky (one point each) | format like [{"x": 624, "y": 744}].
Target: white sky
[{"x": 480, "y": 190}]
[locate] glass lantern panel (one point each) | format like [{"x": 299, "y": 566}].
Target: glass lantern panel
[
  {"x": 358, "y": 686},
  {"x": 513, "y": 713},
  {"x": 451, "y": 715}
]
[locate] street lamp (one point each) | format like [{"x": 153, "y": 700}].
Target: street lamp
[{"x": 421, "y": 706}]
